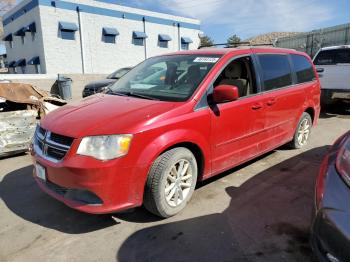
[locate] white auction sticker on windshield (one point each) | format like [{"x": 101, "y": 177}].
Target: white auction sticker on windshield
[{"x": 206, "y": 60}]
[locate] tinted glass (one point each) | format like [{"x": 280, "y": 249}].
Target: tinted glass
[
  {"x": 109, "y": 39},
  {"x": 67, "y": 35},
  {"x": 332, "y": 57},
  {"x": 163, "y": 44},
  {"x": 185, "y": 46},
  {"x": 166, "y": 78},
  {"x": 302, "y": 68},
  {"x": 138, "y": 41},
  {"x": 276, "y": 71}
]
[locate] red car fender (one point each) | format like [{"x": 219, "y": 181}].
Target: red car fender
[{"x": 168, "y": 140}]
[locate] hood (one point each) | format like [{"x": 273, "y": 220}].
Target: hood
[
  {"x": 100, "y": 83},
  {"x": 104, "y": 115}
]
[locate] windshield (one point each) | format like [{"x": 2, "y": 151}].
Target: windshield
[
  {"x": 166, "y": 78},
  {"x": 119, "y": 73}
]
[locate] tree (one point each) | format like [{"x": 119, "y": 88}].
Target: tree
[
  {"x": 206, "y": 41},
  {"x": 234, "y": 39}
]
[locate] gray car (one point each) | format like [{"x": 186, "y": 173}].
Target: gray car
[
  {"x": 330, "y": 231},
  {"x": 99, "y": 85}
]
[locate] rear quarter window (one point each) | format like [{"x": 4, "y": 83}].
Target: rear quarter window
[
  {"x": 332, "y": 57},
  {"x": 303, "y": 69},
  {"x": 276, "y": 71}
]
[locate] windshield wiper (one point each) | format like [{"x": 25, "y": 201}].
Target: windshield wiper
[
  {"x": 132, "y": 94},
  {"x": 110, "y": 91},
  {"x": 140, "y": 95}
]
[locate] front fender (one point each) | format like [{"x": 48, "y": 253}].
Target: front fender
[{"x": 167, "y": 140}]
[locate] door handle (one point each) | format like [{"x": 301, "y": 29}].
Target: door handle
[
  {"x": 320, "y": 70},
  {"x": 257, "y": 106},
  {"x": 271, "y": 102}
]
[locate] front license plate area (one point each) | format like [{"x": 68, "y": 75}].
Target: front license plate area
[{"x": 40, "y": 172}]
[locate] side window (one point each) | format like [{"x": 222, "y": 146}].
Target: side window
[
  {"x": 276, "y": 71},
  {"x": 303, "y": 69},
  {"x": 333, "y": 56},
  {"x": 325, "y": 57},
  {"x": 239, "y": 73},
  {"x": 342, "y": 56}
]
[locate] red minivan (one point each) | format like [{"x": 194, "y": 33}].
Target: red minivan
[{"x": 152, "y": 136}]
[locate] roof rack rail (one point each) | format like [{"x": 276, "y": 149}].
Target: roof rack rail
[{"x": 229, "y": 45}]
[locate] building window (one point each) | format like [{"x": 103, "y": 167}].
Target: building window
[
  {"x": 67, "y": 30},
  {"x": 185, "y": 46},
  {"x": 32, "y": 30},
  {"x": 163, "y": 41},
  {"x": 109, "y": 39},
  {"x": 163, "y": 44},
  {"x": 139, "y": 38},
  {"x": 109, "y": 35},
  {"x": 9, "y": 38},
  {"x": 22, "y": 64},
  {"x": 22, "y": 33},
  {"x": 11, "y": 67},
  {"x": 35, "y": 61},
  {"x": 185, "y": 43},
  {"x": 67, "y": 35},
  {"x": 138, "y": 41}
]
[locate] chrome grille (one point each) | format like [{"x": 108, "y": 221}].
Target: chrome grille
[{"x": 51, "y": 146}]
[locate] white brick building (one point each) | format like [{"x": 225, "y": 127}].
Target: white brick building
[{"x": 87, "y": 36}]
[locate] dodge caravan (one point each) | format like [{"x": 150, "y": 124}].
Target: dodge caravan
[{"x": 149, "y": 140}]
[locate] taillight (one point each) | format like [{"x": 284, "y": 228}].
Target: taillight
[
  {"x": 343, "y": 161},
  {"x": 320, "y": 181}
]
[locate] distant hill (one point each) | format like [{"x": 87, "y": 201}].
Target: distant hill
[
  {"x": 269, "y": 37},
  {"x": 1, "y": 30}
]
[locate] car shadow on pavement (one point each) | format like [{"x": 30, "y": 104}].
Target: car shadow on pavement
[
  {"x": 23, "y": 197},
  {"x": 268, "y": 219},
  {"x": 340, "y": 110}
]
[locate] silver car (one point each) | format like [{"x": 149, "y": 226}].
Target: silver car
[{"x": 333, "y": 67}]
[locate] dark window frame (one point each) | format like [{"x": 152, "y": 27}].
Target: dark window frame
[
  {"x": 67, "y": 34},
  {"x": 109, "y": 39},
  {"x": 297, "y": 81},
  {"x": 138, "y": 41},
  {"x": 163, "y": 44},
  {"x": 261, "y": 72},
  {"x": 185, "y": 46}
]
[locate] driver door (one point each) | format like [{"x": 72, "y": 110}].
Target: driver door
[{"x": 237, "y": 128}]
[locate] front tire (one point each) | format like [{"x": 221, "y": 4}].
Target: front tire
[
  {"x": 171, "y": 182},
  {"x": 302, "y": 133}
]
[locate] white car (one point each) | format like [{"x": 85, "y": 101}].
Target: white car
[{"x": 333, "y": 67}]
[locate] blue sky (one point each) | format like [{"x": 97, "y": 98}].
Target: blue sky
[{"x": 246, "y": 18}]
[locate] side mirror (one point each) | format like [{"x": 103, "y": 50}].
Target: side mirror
[{"x": 225, "y": 93}]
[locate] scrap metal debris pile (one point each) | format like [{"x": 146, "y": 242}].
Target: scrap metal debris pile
[{"x": 21, "y": 107}]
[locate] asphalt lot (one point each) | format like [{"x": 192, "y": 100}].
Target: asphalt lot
[{"x": 257, "y": 212}]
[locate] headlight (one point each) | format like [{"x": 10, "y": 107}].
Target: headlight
[{"x": 105, "y": 147}]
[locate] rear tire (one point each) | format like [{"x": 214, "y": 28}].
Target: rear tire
[
  {"x": 302, "y": 133},
  {"x": 171, "y": 182}
]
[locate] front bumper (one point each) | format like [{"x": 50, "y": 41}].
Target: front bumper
[
  {"x": 91, "y": 186},
  {"x": 330, "y": 233}
]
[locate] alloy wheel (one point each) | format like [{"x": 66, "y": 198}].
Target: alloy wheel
[
  {"x": 304, "y": 131},
  {"x": 179, "y": 182}
]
